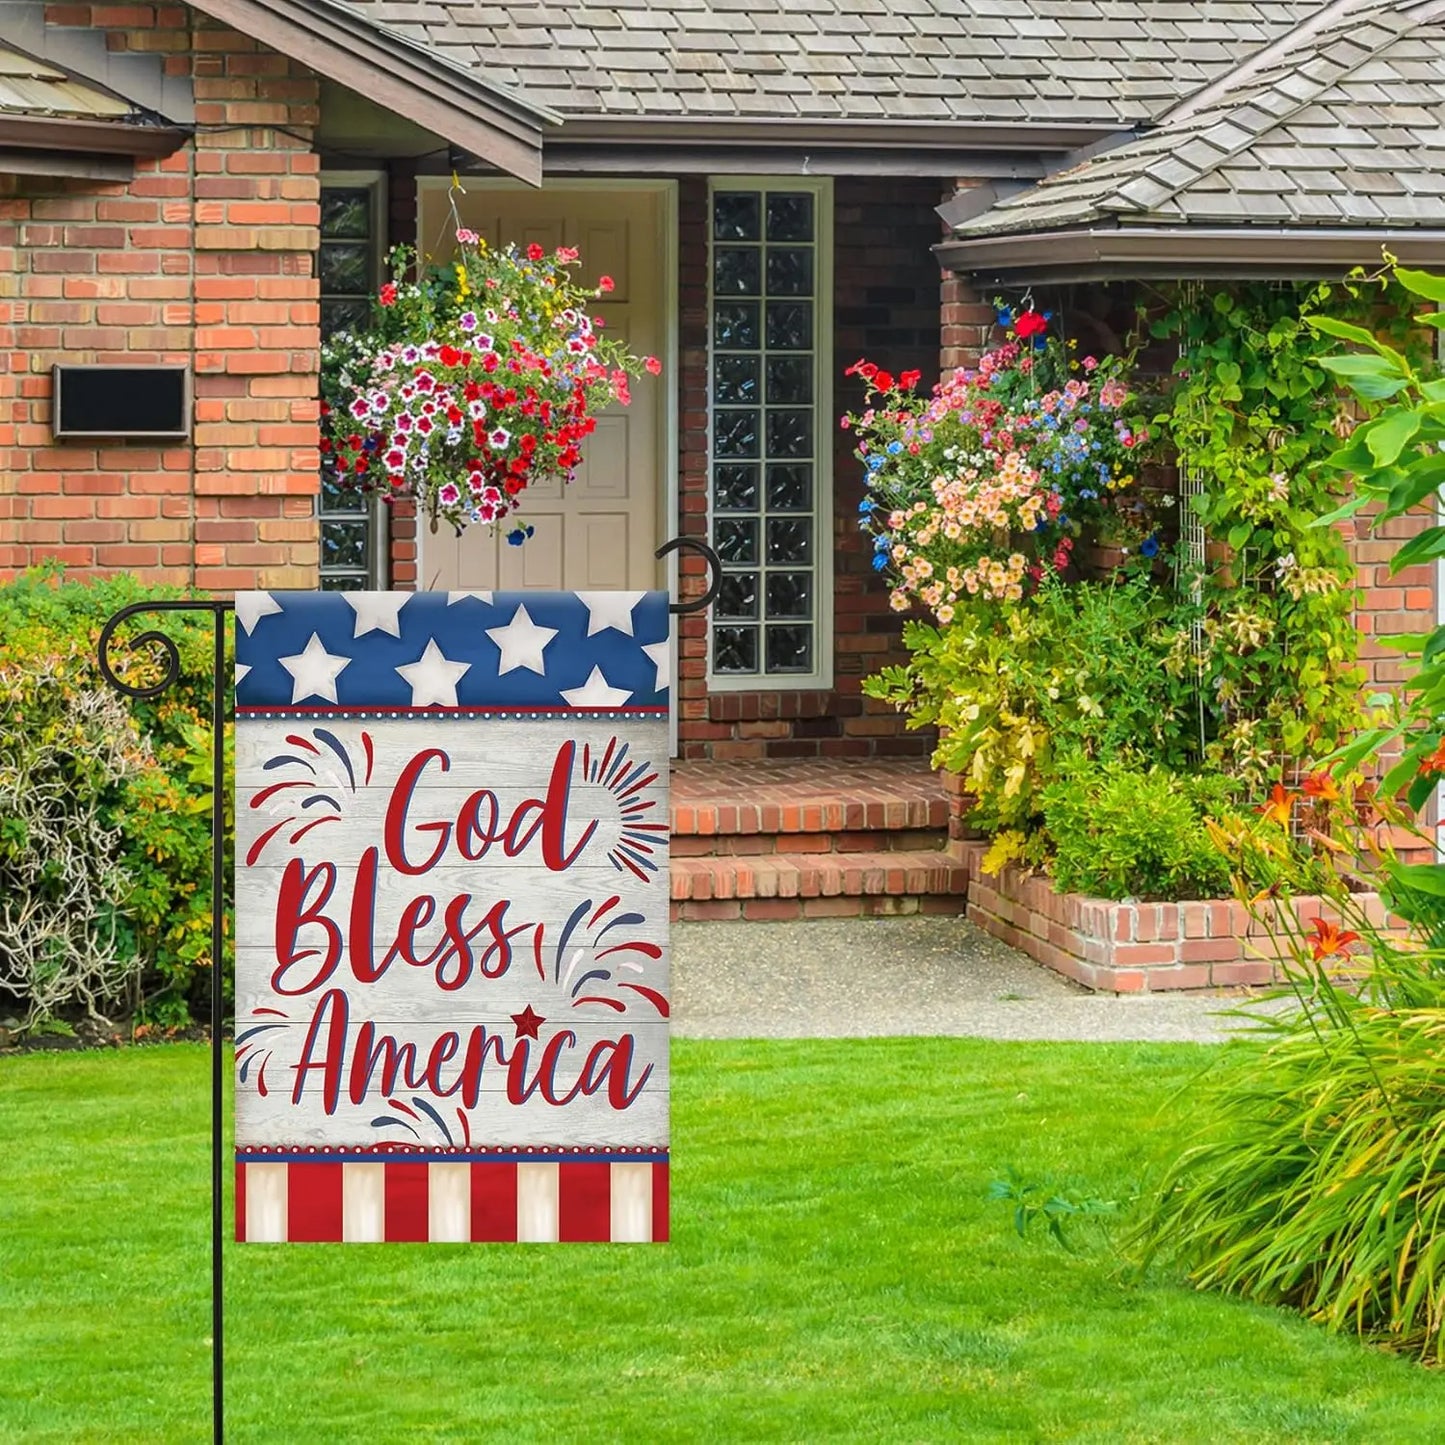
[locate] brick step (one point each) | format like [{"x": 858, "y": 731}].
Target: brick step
[
  {"x": 744, "y": 845},
  {"x": 787, "y": 799},
  {"x": 810, "y": 885},
  {"x": 815, "y": 875}
]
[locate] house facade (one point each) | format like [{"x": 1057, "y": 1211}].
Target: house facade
[{"x": 776, "y": 191}]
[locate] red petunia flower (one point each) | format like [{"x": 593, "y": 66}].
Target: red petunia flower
[
  {"x": 653, "y": 365},
  {"x": 909, "y": 379},
  {"x": 388, "y": 294},
  {"x": 535, "y": 252},
  {"x": 1030, "y": 324},
  {"x": 605, "y": 284}
]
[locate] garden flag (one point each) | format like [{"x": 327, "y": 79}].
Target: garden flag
[{"x": 451, "y": 916}]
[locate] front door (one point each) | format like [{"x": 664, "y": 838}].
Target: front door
[{"x": 601, "y": 531}]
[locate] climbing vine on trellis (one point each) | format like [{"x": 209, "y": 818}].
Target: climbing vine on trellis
[{"x": 1252, "y": 414}]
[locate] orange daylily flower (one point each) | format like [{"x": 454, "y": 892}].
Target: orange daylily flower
[
  {"x": 1330, "y": 941},
  {"x": 1434, "y": 762},
  {"x": 1322, "y": 787},
  {"x": 1281, "y": 803}
]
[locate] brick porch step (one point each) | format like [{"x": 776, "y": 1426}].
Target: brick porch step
[
  {"x": 788, "y": 798},
  {"x": 808, "y": 838},
  {"x": 817, "y": 885}
]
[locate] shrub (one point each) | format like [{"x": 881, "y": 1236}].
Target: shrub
[
  {"x": 146, "y": 812},
  {"x": 65, "y": 752},
  {"x": 1120, "y": 831},
  {"x": 1079, "y": 670}
]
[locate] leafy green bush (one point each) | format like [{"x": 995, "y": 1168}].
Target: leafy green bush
[
  {"x": 145, "y": 812},
  {"x": 1121, "y": 831},
  {"x": 1079, "y": 670}
]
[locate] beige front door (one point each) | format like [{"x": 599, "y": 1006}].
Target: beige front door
[{"x": 601, "y": 531}]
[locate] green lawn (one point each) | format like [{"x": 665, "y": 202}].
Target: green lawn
[{"x": 836, "y": 1274}]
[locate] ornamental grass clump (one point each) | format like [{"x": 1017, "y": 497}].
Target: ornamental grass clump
[
  {"x": 1319, "y": 1180},
  {"x": 473, "y": 382}
]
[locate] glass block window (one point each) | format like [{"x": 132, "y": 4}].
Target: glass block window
[
  {"x": 353, "y": 526},
  {"x": 767, "y": 306}
]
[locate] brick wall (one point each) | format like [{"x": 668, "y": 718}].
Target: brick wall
[{"x": 205, "y": 258}]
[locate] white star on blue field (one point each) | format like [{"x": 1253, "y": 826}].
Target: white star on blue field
[{"x": 582, "y": 650}]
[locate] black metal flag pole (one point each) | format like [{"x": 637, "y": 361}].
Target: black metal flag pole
[
  {"x": 219, "y": 783},
  {"x": 217, "y": 609}
]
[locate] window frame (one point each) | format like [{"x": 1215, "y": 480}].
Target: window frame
[
  {"x": 822, "y": 674},
  {"x": 375, "y": 512}
]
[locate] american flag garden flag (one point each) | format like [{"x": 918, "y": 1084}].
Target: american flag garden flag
[{"x": 452, "y": 916}]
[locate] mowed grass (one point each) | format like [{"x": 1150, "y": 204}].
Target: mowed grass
[{"x": 836, "y": 1274}]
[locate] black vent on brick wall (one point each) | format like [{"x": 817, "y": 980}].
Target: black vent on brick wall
[{"x": 122, "y": 401}]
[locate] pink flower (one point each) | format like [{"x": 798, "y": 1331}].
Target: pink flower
[
  {"x": 567, "y": 254},
  {"x": 605, "y": 284},
  {"x": 449, "y": 495},
  {"x": 653, "y": 365},
  {"x": 466, "y": 237}
]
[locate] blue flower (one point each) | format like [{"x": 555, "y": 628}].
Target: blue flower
[
  {"x": 518, "y": 535},
  {"x": 1149, "y": 547},
  {"x": 874, "y": 463},
  {"x": 880, "y": 544},
  {"x": 1088, "y": 494},
  {"x": 1005, "y": 316},
  {"x": 866, "y": 505},
  {"x": 880, "y": 561},
  {"x": 893, "y": 448}
]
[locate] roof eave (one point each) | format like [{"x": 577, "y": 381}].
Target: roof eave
[
  {"x": 485, "y": 120},
  {"x": 88, "y": 137},
  {"x": 785, "y": 133},
  {"x": 1114, "y": 252}
]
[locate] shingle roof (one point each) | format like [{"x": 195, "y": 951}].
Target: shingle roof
[
  {"x": 31, "y": 87},
  {"x": 1341, "y": 125},
  {"x": 1061, "y": 61}
]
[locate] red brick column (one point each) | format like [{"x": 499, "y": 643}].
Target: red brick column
[{"x": 205, "y": 258}]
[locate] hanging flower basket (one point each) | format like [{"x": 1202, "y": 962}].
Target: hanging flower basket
[{"x": 472, "y": 382}]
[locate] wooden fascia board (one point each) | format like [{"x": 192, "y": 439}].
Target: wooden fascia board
[{"x": 493, "y": 126}]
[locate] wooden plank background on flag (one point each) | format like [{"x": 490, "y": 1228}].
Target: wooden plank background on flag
[{"x": 452, "y": 916}]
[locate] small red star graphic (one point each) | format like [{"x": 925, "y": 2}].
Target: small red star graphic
[{"x": 528, "y": 1023}]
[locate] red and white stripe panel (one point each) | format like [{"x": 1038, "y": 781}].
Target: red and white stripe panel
[{"x": 451, "y": 1203}]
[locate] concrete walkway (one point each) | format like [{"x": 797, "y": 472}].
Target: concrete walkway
[{"x": 854, "y": 977}]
